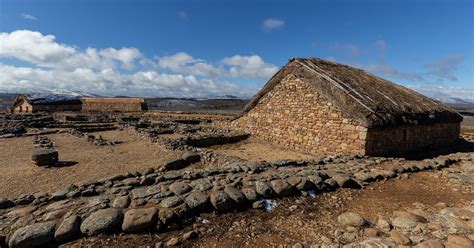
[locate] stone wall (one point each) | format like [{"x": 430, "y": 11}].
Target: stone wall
[
  {"x": 411, "y": 138},
  {"x": 56, "y": 107},
  {"x": 113, "y": 104},
  {"x": 294, "y": 115}
]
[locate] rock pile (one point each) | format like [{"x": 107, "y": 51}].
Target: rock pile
[
  {"x": 98, "y": 141},
  {"x": 43, "y": 142},
  {"x": 160, "y": 201}
]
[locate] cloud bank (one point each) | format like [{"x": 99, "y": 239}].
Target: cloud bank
[{"x": 47, "y": 65}]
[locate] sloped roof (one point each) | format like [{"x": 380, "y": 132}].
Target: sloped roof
[
  {"x": 112, "y": 100},
  {"x": 48, "y": 99},
  {"x": 370, "y": 100}
]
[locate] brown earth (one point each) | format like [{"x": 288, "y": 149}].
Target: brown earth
[
  {"x": 19, "y": 176},
  {"x": 311, "y": 218},
  {"x": 255, "y": 150}
]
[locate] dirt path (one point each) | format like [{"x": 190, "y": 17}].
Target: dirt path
[{"x": 18, "y": 175}]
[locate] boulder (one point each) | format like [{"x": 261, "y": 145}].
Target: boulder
[
  {"x": 191, "y": 157},
  {"x": 103, "y": 221},
  {"x": 411, "y": 216},
  {"x": 250, "y": 194},
  {"x": 281, "y": 187},
  {"x": 456, "y": 241},
  {"x": 121, "y": 202},
  {"x": 404, "y": 223},
  {"x": 345, "y": 181},
  {"x": 350, "y": 219},
  {"x": 36, "y": 235},
  {"x": 198, "y": 201},
  {"x": 137, "y": 220},
  {"x": 5, "y": 203},
  {"x": 48, "y": 157},
  {"x": 221, "y": 201},
  {"x": 431, "y": 243},
  {"x": 166, "y": 215},
  {"x": 235, "y": 195},
  {"x": 399, "y": 238},
  {"x": 176, "y": 164},
  {"x": 180, "y": 188},
  {"x": 263, "y": 189},
  {"x": 170, "y": 202},
  {"x": 68, "y": 229}
]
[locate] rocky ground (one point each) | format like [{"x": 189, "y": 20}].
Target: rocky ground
[{"x": 213, "y": 194}]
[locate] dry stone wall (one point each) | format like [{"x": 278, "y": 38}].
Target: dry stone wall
[
  {"x": 411, "y": 138},
  {"x": 293, "y": 114}
]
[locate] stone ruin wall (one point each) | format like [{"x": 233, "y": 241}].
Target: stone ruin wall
[
  {"x": 112, "y": 106},
  {"x": 294, "y": 115},
  {"x": 381, "y": 141},
  {"x": 46, "y": 107},
  {"x": 58, "y": 107}
]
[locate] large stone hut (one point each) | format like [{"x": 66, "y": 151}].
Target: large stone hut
[
  {"x": 31, "y": 103},
  {"x": 113, "y": 104},
  {"x": 319, "y": 106}
]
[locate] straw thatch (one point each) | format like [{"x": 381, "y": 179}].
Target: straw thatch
[{"x": 361, "y": 96}]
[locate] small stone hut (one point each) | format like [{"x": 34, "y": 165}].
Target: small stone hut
[
  {"x": 31, "y": 103},
  {"x": 113, "y": 104},
  {"x": 319, "y": 106}
]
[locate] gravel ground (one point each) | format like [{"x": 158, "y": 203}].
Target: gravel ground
[{"x": 19, "y": 176}]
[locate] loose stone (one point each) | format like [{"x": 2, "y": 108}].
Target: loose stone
[
  {"x": 235, "y": 195},
  {"x": 136, "y": 220},
  {"x": 263, "y": 189},
  {"x": 36, "y": 235},
  {"x": 221, "y": 201},
  {"x": 281, "y": 187},
  {"x": 121, "y": 202},
  {"x": 179, "y": 188},
  {"x": 68, "y": 229},
  {"x": 250, "y": 194},
  {"x": 399, "y": 238},
  {"x": 197, "y": 200},
  {"x": 350, "y": 219},
  {"x": 103, "y": 221}
]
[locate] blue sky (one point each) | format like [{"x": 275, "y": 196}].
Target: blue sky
[{"x": 204, "y": 48}]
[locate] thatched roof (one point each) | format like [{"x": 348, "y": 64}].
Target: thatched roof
[
  {"x": 113, "y": 100},
  {"x": 47, "y": 99},
  {"x": 370, "y": 100}
]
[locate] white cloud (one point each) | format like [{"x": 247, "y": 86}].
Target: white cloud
[
  {"x": 445, "y": 93},
  {"x": 111, "y": 82},
  {"x": 61, "y": 66},
  {"x": 28, "y": 17},
  {"x": 272, "y": 23},
  {"x": 42, "y": 50},
  {"x": 185, "y": 63},
  {"x": 445, "y": 67},
  {"x": 249, "y": 67}
]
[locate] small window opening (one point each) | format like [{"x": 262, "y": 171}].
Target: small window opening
[{"x": 21, "y": 108}]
